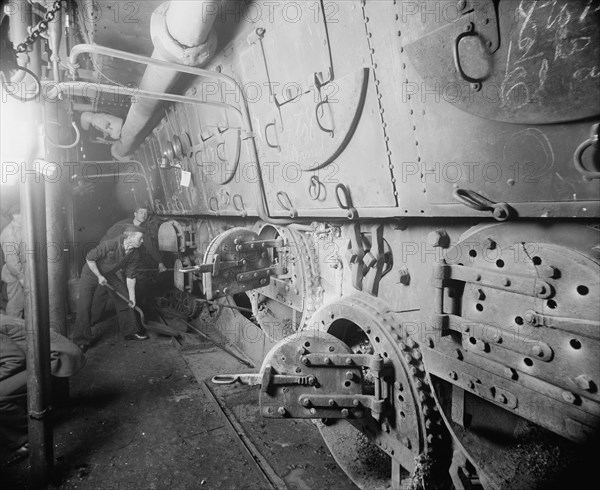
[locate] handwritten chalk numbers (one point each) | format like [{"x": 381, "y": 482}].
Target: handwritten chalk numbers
[{"x": 547, "y": 39}]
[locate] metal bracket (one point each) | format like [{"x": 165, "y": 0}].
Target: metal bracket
[
  {"x": 367, "y": 265},
  {"x": 527, "y": 286}
]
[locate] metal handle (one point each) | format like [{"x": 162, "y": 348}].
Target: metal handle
[
  {"x": 352, "y": 213},
  {"x": 592, "y": 141},
  {"x": 178, "y": 204},
  {"x": 314, "y": 188},
  {"x": 469, "y": 31},
  {"x": 323, "y": 128},
  {"x": 238, "y": 204},
  {"x": 269, "y": 144},
  {"x": 284, "y": 201},
  {"x": 225, "y": 379},
  {"x": 472, "y": 199},
  {"x": 213, "y": 204}
]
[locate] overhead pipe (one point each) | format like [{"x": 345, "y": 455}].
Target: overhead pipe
[
  {"x": 182, "y": 32},
  {"x": 57, "y": 91}
]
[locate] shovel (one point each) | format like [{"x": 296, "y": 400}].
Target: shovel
[{"x": 148, "y": 325}]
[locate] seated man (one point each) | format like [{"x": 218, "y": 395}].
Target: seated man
[
  {"x": 13, "y": 272},
  {"x": 114, "y": 262},
  {"x": 65, "y": 360}
]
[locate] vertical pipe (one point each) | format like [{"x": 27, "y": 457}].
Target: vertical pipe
[
  {"x": 54, "y": 37},
  {"x": 33, "y": 210},
  {"x": 56, "y": 226}
]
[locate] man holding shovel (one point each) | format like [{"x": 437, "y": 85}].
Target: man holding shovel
[{"x": 114, "y": 263}]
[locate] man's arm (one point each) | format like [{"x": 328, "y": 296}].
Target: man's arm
[
  {"x": 94, "y": 268},
  {"x": 131, "y": 290}
]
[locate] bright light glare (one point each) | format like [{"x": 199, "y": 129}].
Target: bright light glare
[{"x": 18, "y": 133}]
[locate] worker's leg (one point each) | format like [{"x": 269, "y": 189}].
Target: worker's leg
[
  {"x": 87, "y": 285},
  {"x": 99, "y": 305},
  {"x": 13, "y": 422},
  {"x": 129, "y": 322}
]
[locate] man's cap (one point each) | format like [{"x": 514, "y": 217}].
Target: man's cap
[{"x": 133, "y": 228}]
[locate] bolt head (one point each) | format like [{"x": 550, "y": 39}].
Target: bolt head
[
  {"x": 281, "y": 411},
  {"x": 305, "y": 402},
  {"x": 489, "y": 244},
  {"x": 548, "y": 271},
  {"x": 453, "y": 375},
  {"x": 349, "y": 362},
  {"x": 349, "y": 375},
  {"x": 569, "y": 397},
  {"x": 498, "y": 212},
  {"x": 537, "y": 351},
  {"x": 404, "y": 276},
  {"x": 584, "y": 382},
  {"x": 438, "y": 238},
  {"x": 502, "y": 398},
  {"x": 482, "y": 346},
  {"x": 345, "y": 413},
  {"x": 529, "y": 317},
  {"x": 305, "y": 361},
  {"x": 331, "y": 402}
]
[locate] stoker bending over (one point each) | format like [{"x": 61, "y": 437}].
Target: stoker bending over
[{"x": 114, "y": 262}]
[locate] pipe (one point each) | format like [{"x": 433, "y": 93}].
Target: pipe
[
  {"x": 66, "y": 146},
  {"x": 56, "y": 91},
  {"x": 33, "y": 210},
  {"x": 54, "y": 37},
  {"x": 182, "y": 33},
  {"x": 247, "y": 123},
  {"x": 57, "y": 194},
  {"x": 20, "y": 18}
]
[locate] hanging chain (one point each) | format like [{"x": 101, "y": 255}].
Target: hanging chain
[{"x": 40, "y": 28}]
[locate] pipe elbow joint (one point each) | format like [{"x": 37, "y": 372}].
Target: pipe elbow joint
[
  {"x": 114, "y": 151},
  {"x": 171, "y": 49}
]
